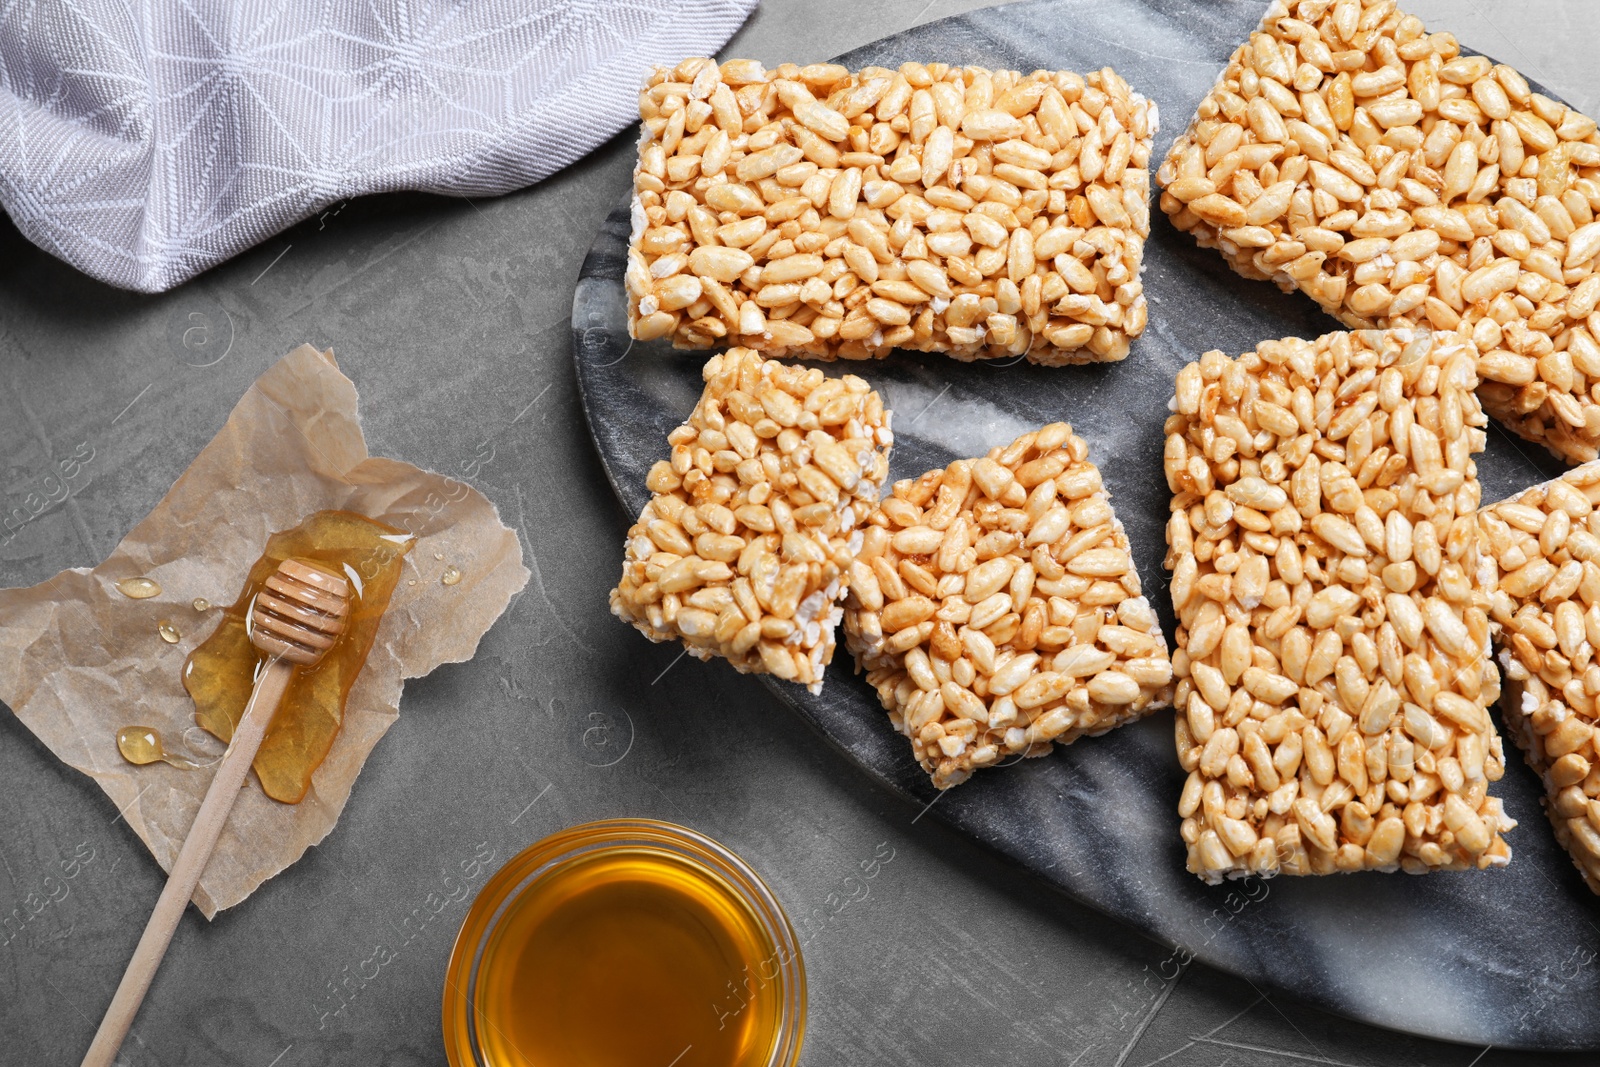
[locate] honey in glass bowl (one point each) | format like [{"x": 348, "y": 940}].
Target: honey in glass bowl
[{"x": 620, "y": 943}]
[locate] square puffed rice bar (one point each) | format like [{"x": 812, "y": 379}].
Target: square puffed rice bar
[
  {"x": 1544, "y": 550},
  {"x": 995, "y": 608},
  {"x": 809, "y": 211},
  {"x": 1348, "y": 153},
  {"x": 742, "y": 550},
  {"x": 1332, "y": 664}
]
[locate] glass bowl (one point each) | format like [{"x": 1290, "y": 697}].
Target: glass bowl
[{"x": 555, "y": 891}]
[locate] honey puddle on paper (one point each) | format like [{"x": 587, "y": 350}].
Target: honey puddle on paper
[
  {"x": 220, "y": 673},
  {"x": 627, "y": 958}
]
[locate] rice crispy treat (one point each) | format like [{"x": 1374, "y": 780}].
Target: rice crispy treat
[
  {"x": 1332, "y": 663},
  {"x": 811, "y": 211},
  {"x": 1347, "y": 153},
  {"x": 1543, "y": 550},
  {"x": 995, "y": 608},
  {"x": 742, "y": 550}
]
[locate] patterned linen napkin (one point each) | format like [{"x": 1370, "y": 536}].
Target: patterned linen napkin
[{"x": 145, "y": 143}]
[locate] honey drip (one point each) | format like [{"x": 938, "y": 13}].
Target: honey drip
[
  {"x": 627, "y": 958},
  {"x": 140, "y": 588},
  {"x": 142, "y": 745},
  {"x": 220, "y": 674},
  {"x": 451, "y": 576},
  {"x": 200, "y": 603},
  {"x": 169, "y": 633}
]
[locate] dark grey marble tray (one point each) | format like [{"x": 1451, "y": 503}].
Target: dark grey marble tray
[{"x": 1509, "y": 958}]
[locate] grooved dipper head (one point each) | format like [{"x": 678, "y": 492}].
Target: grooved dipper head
[{"x": 300, "y": 613}]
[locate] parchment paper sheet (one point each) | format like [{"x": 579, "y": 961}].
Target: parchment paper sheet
[{"x": 78, "y": 660}]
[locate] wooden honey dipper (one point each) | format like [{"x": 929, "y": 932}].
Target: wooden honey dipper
[{"x": 294, "y": 620}]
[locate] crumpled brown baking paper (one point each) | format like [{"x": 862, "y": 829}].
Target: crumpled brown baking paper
[{"x": 78, "y": 660}]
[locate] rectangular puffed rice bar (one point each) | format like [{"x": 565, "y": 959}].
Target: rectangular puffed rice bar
[
  {"x": 809, "y": 211},
  {"x": 1543, "y": 548},
  {"x": 995, "y": 608},
  {"x": 742, "y": 550},
  {"x": 1347, "y": 153},
  {"x": 1332, "y": 665}
]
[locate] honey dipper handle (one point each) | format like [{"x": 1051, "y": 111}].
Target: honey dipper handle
[{"x": 192, "y": 858}]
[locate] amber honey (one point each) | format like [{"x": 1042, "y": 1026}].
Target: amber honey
[
  {"x": 620, "y": 944},
  {"x": 140, "y": 745},
  {"x": 220, "y": 673}
]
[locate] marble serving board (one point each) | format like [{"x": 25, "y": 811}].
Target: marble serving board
[{"x": 1508, "y": 957}]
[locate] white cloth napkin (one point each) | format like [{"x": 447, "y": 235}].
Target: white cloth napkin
[{"x": 144, "y": 142}]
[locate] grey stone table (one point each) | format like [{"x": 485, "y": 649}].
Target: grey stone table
[{"x": 452, "y": 318}]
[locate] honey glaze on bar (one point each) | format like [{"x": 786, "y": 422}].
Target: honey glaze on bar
[
  {"x": 628, "y": 957},
  {"x": 220, "y": 673}
]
